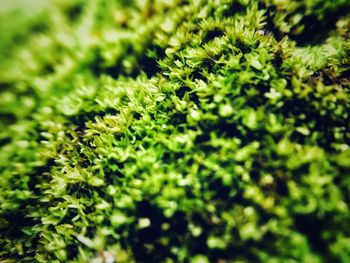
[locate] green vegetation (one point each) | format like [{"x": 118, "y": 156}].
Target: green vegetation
[{"x": 176, "y": 131}]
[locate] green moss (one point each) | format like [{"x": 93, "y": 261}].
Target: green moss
[{"x": 176, "y": 131}]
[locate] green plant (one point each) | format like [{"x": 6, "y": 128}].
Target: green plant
[{"x": 176, "y": 131}]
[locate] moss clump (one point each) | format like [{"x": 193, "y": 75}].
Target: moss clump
[{"x": 176, "y": 131}]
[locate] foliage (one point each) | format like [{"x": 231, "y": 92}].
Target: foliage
[{"x": 176, "y": 131}]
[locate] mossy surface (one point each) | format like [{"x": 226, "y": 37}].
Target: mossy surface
[{"x": 176, "y": 131}]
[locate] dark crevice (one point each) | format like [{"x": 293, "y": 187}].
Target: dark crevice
[
  {"x": 36, "y": 176},
  {"x": 210, "y": 35},
  {"x": 74, "y": 12},
  {"x": 148, "y": 65},
  {"x": 270, "y": 25},
  {"x": 317, "y": 30},
  {"x": 312, "y": 227},
  {"x": 144, "y": 63},
  {"x": 322, "y": 123},
  {"x": 18, "y": 220},
  {"x": 144, "y": 239},
  {"x": 233, "y": 8},
  {"x": 7, "y": 118},
  {"x": 182, "y": 91},
  {"x": 243, "y": 47},
  {"x": 80, "y": 119}
]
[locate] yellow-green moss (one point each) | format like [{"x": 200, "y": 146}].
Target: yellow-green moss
[{"x": 175, "y": 131}]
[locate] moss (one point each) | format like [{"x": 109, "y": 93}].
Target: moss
[{"x": 176, "y": 131}]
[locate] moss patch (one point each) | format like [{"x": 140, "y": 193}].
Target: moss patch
[{"x": 176, "y": 131}]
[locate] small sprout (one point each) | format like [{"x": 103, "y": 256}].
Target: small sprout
[
  {"x": 216, "y": 242},
  {"x": 86, "y": 241},
  {"x": 144, "y": 222},
  {"x": 199, "y": 259},
  {"x": 250, "y": 119},
  {"x": 225, "y": 110},
  {"x": 303, "y": 130},
  {"x": 95, "y": 181},
  {"x": 195, "y": 230},
  {"x": 193, "y": 116},
  {"x": 167, "y": 25},
  {"x": 118, "y": 219}
]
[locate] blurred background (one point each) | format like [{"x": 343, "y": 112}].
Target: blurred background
[{"x": 28, "y": 6}]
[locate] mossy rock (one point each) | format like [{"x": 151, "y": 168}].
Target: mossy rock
[{"x": 175, "y": 131}]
